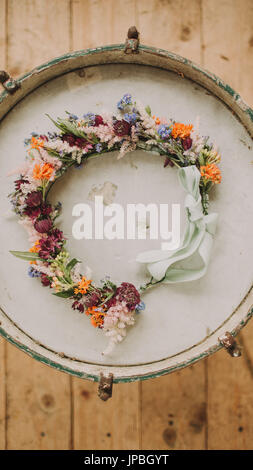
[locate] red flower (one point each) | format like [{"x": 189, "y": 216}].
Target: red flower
[
  {"x": 69, "y": 138},
  {"x": 98, "y": 120},
  {"x": 187, "y": 143},
  {"x": 19, "y": 182},
  {"x": 32, "y": 212},
  {"x": 43, "y": 225},
  {"x": 127, "y": 293},
  {"x": 93, "y": 298},
  {"x": 80, "y": 142},
  {"x": 73, "y": 140},
  {"x": 78, "y": 306},
  {"x": 45, "y": 281},
  {"x": 34, "y": 199},
  {"x": 122, "y": 128}
]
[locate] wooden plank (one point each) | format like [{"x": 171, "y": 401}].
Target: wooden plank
[
  {"x": 110, "y": 425},
  {"x": 174, "y": 26},
  {"x": 2, "y": 395},
  {"x": 38, "y": 30},
  {"x": 2, "y": 342},
  {"x": 116, "y": 423},
  {"x": 174, "y": 410},
  {"x": 38, "y": 398},
  {"x": 98, "y": 23},
  {"x": 228, "y": 40},
  {"x": 174, "y": 407},
  {"x": 38, "y": 405}
]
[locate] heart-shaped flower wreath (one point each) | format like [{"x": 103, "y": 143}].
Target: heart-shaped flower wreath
[{"x": 110, "y": 307}]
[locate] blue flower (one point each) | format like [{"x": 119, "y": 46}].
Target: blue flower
[
  {"x": 33, "y": 273},
  {"x": 73, "y": 117},
  {"x": 98, "y": 148},
  {"x": 127, "y": 98},
  {"x": 131, "y": 118},
  {"x": 125, "y": 101},
  {"x": 89, "y": 118},
  {"x": 140, "y": 306},
  {"x": 164, "y": 131}
]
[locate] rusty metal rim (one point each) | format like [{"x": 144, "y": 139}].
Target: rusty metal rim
[{"x": 160, "y": 59}]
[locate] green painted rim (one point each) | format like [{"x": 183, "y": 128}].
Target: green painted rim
[{"x": 243, "y": 107}]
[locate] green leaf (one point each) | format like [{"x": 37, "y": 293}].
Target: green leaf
[
  {"x": 65, "y": 293},
  {"x": 148, "y": 110},
  {"x": 26, "y": 255},
  {"x": 71, "y": 264}
]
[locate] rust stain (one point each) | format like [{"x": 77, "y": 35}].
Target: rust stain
[{"x": 170, "y": 436}]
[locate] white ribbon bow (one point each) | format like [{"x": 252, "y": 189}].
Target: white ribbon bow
[{"x": 198, "y": 237}]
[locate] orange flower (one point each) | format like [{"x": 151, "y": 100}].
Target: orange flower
[
  {"x": 97, "y": 315},
  {"x": 211, "y": 172},
  {"x": 36, "y": 143},
  {"x": 83, "y": 286},
  {"x": 181, "y": 130},
  {"x": 34, "y": 249},
  {"x": 43, "y": 172},
  {"x": 157, "y": 120}
]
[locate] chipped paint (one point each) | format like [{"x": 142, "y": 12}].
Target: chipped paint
[{"x": 157, "y": 58}]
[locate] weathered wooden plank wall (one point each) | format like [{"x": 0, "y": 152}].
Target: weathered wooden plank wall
[{"x": 209, "y": 405}]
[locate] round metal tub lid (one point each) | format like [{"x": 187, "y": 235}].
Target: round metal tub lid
[{"x": 182, "y": 323}]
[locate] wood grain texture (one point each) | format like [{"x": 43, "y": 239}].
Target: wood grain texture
[
  {"x": 2, "y": 394},
  {"x": 205, "y": 406},
  {"x": 38, "y": 398},
  {"x": 114, "y": 424},
  {"x": 228, "y": 51},
  {"x": 174, "y": 410},
  {"x": 3, "y": 44},
  {"x": 38, "y": 405},
  {"x": 171, "y": 25},
  {"x": 101, "y": 22},
  {"x": 38, "y": 30}
]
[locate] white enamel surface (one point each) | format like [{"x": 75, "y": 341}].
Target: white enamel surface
[{"x": 176, "y": 317}]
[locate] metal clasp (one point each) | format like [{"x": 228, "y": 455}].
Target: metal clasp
[
  {"x": 9, "y": 84},
  {"x": 105, "y": 386},
  {"x": 230, "y": 344}
]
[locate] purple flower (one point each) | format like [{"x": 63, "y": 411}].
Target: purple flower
[
  {"x": 98, "y": 148},
  {"x": 33, "y": 272}
]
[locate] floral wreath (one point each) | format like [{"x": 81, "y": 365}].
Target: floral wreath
[{"x": 110, "y": 307}]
